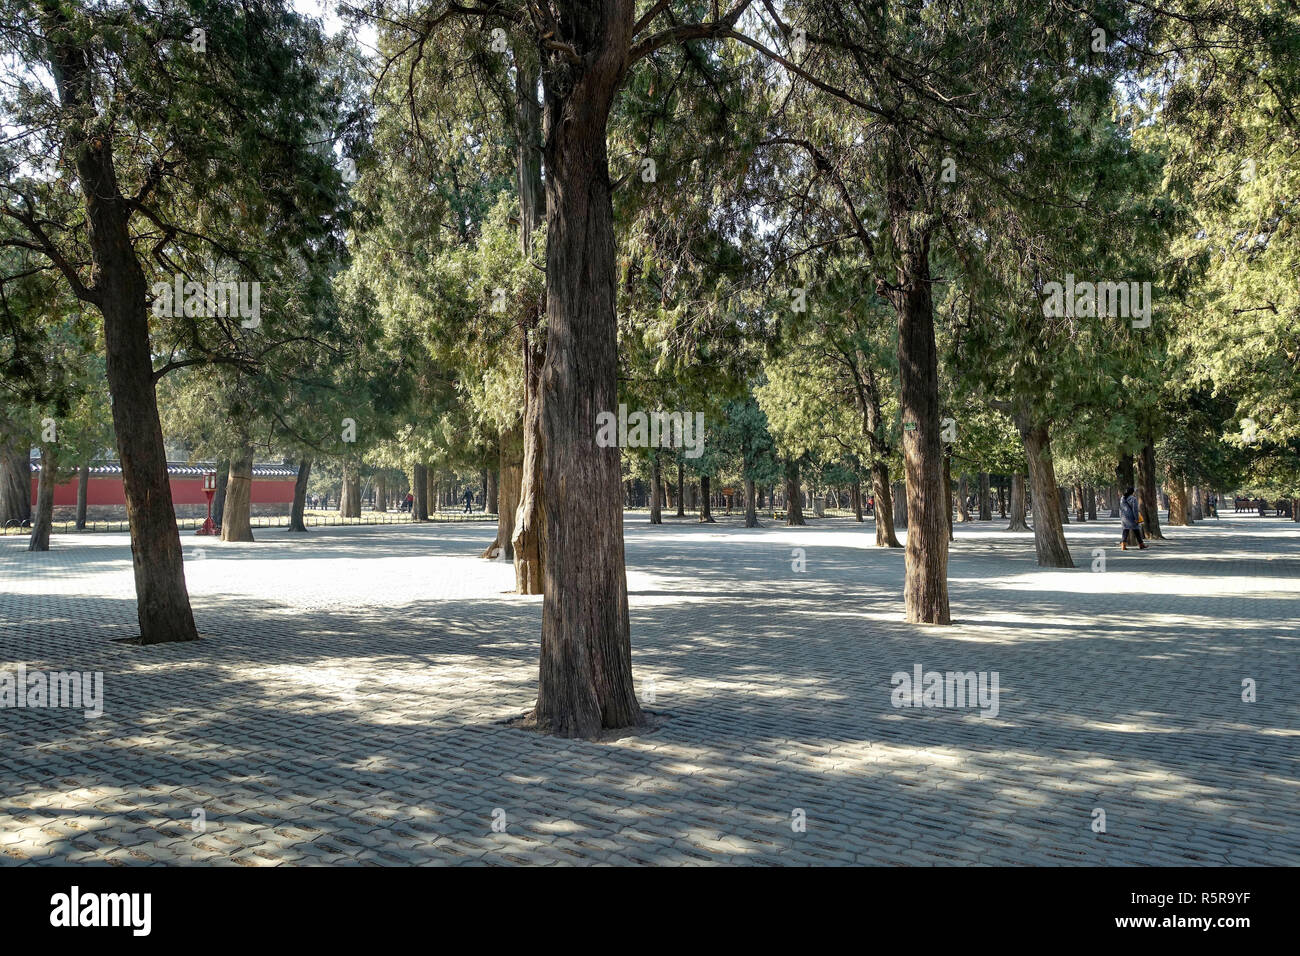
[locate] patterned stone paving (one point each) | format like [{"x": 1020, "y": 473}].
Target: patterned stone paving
[{"x": 346, "y": 705}]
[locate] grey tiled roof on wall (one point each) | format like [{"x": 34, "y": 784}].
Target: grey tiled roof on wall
[{"x": 113, "y": 469}]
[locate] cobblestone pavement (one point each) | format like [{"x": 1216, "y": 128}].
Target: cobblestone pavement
[{"x": 346, "y": 704}]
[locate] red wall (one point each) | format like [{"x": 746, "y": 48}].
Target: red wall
[{"x": 185, "y": 491}]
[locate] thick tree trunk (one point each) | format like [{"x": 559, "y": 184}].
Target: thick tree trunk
[
  {"x": 493, "y": 485},
  {"x": 1018, "y": 509},
  {"x": 1147, "y": 501},
  {"x": 963, "y": 494},
  {"x": 986, "y": 500},
  {"x": 1063, "y": 496},
  {"x": 43, "y": 522},
  {"x": 296, "y": 520},
  {"x": 381, "y": 493},
  {"x": 237, "y": 524},
  {"x": 83, "y": 489},
  {"x": 1178, "y": 514},
  {"x": 793, "y": 498},
  {"x": 163, "y": 603},
  {"x": 1049, "y": 534},
  {"x": 855, "y": 498},
  {"x": 925, "y": 589},
  {"x": 751, "y": 505},
  {"x": 15, "y": 476},
  {"x": 350, "y": 498},
  {"x": 528, "y": 544},
  {"x": 1197, "y": 504},
  {"x": 510, "y": 472},
  {"x": 585, "y": 679},
  {"x": 1090, "y": 494},
  {"x": 898, "y": 501},
  {"x": 1080, "y": 506},
  {"x": 420, "y": 492},
  {"x": 706, "y": 507},
  {"x": 219, "y": 496}
]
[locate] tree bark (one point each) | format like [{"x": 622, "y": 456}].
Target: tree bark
[
  {"x": 296, "y": 520},
  {"x": 528, "y": 543},
  {"x": 855, "y": 498},
  {"x": 420, "y": 492},
  {"x": 121, "y": 294},
  {"x": 493, "y": 485},
  {"x": 963, "y": 493},
  {"x": 585, "y": 677},
  {"x": 43, "y": 522},
  {"x": 656, "y": 490},
  {"x": 793, "y": 498},
  {"x": 1081, "y": 506},
  {"x": 219, "y": 497},
  {"x": 925, "y": 589},
  {"x": 350, "y": 497},
  {"x": 83, "y": 489},
  {"x": 15, "y": 476},
  {"x": 986, "y": 502},
  {"x": 1049, "y": 533},
  {"x": 898, "y": 498},
  {"x": 1177, "y": 492},
  {"x": 1018, "y": 509},
  {"x": 1147, "y": 501},
  {"x": 237, "y": 524},
  {"x": 751, "y": 504},
  {"x": 706, "y": 507},
  {"x": 1063, "y": 498},
  {"x": 1090, "y": 495},
  {"x": 1197, "y": 504}
]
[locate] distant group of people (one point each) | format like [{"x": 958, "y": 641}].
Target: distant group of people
[{"x": 408, "y": 503}]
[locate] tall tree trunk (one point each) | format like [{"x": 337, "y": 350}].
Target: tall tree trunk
[
  {"x": 83, "y": 489},
  {"x": 1124, "y": 473},
  {"x": 656, "y": 490},
  {"x": 1018, "y": 509},
  {"x": 793, "y": 498},
  {"x": 492, "y": 491},
  {"x": 1197, "y": 504},
  {"x": 1148, "y": 504},
  {"x": 296, "y": 520},
  {"x": 529, "y": 542},
  {"x": 420, "y": 492},
  {"x": 43, "y": 522},
  {"x": 1049, "y": 534},
  {"x": 898, "y": 498},
  {"x": 1090, "y": 495},
  {"x": 1177, "y": 497},
  {"x": 1081, "y": 506},
  {"x": 855, "y": 498},
  {"x": 678, "y": 495},
  {"x": 1114, "y": 500},
  {"x": 382, "y": 499},
  {"x": 963, "y": 494},
  {"x": 1002, "y": 497},
  {"x": 925, "y": 589},
  {"x": 350, "y": 496},
  {"x": 751, "y": 506},
  {"x": 15, "y": 476},
  {"x": 237, "y": 521},
  {"x": 510, "y": 473},
  {"x": 585, "y": 678},
  {"x": 706, "y": 507},
  {"x": 121, "y": 294},
  {"x": 986, "y": 503},
  {"x": 1063, "y": 497},
  {"x": 219, "y": 497}
]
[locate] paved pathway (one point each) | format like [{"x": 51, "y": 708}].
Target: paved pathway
[{"x": 346, "y": 705}]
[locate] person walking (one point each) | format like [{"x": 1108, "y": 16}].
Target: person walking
[
  {"x": 469, "y": 501},
  {"x": 1129, "y": 514}
]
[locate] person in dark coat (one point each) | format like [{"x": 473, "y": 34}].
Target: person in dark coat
[{"x": 1129, "y": 514}]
